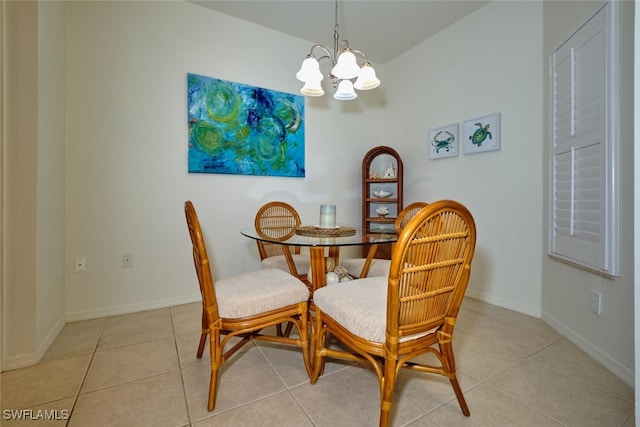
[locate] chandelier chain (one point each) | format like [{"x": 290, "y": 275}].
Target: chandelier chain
[{"x": 336, "y": 35}]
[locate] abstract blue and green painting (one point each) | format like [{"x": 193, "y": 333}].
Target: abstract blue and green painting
[{"x": 240, "y": 129}]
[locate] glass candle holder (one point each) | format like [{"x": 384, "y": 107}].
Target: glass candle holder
[{"x": 327, "y": 216}]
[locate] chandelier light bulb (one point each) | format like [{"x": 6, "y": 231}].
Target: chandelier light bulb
[
  {"x": 345, "y": 91},
  {"x": 309, "y": 70},
  {"x": 367, "y": 79},
  {"x": 347, "y": 67},
  {"x": 312, "y": 88}
]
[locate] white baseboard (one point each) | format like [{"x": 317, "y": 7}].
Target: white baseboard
[
  {"x": 505, "y": 303},
  {"x": 96, "y": 313},
  {"x": 623, "y": 373},
  {"x": 51, "y": 336},
  {"x": 30, "y": 359},
  {"x": 19, "y": 361}
]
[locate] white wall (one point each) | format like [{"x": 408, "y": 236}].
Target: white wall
[
  {"x": 50, "y": 238},
  {"x": 2, "y": 180},
  {"x": 126, "y": 158},
  {"x": 566, "y": 290},
  {"x": 19, "y": 192},
  {"x": 33, "y": 242},
  {"x": 488, "y": 62},
  {"x": 636, "y": 203}
]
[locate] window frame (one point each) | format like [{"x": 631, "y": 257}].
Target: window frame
[{"x": 604, "y": 258}]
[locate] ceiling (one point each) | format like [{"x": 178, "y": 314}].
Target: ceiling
[{"x": 382, "y": 29}]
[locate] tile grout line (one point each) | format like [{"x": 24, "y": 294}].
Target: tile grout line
[
  {"x": 509, "y": 366},
  {"x": 576, "y": 378},
  {"x": 184, "y": 388},
  {"x": 84, "y": 378},
  {"x": 537, "y": 410},
  {"x": 286, "y": 388}
]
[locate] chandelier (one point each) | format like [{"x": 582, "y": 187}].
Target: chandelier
[{"x": 344, "y": 69}]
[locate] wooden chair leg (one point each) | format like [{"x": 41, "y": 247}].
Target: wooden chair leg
[
  {"x": 388, "y": 384},
  {"x": 318, "y": 342},
  {"x": 384, "y": 416},
  {"x": 213, "y": 388},
  {"x": 203, "y": 336},
  {"x": 304, "y": 341},
  {"x": 461, "y": 401},
  {"x": 446, "y": 349},
  {"x": 287, "y": 330},
  {"x": 217, "y": 358},
  {"x": 203, "y": 341}
]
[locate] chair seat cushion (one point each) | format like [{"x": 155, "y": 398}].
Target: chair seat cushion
[
  {"x": 257, "y": 292},
  {"x": 302, "y": 262},
  {"x": 361, "y": 307},
  {"x": 379, "y": 267},
  {"x": 358, "y": 305}
]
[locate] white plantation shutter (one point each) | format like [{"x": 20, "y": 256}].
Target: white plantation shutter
[{"x": 583, "y": 206}]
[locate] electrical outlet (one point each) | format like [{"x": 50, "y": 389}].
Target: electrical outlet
[
  {"x": 127, "y": 261},
  {"x": 81, "y": 264},
  {"x": 596, "y": 302}
]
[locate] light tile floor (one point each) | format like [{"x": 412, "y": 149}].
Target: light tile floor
[{"x": 140, "y": 370}]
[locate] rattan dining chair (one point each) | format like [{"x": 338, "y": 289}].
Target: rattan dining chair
[
  {"x": 380, "y": 267},
  {"x": 389, "y": 321},
  {"x": 243, "y": 305},
  {"x": 280, "y": 220}
]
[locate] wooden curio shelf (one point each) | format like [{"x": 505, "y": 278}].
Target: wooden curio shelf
[{"x": 376, "y": 164}]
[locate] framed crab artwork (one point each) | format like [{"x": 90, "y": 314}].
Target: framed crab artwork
[
  {"x": 443, "y": 142},
  {"x": 481, "y": 134}
]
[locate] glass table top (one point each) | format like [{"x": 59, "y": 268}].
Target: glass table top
[{"x": 357, "y": 239}]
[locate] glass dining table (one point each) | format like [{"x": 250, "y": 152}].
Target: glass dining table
[{"x": 317, "y": 244}]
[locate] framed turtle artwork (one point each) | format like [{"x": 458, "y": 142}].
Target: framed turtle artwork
[
  {"x": 443, "y": 142},
  {"x": 481, "y": 134}
]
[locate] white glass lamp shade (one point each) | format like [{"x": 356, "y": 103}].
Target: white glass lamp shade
[
  {"x": 345, "y": 91},
  {"x": 312, "y": 88},
  {"x": 309, "y": 71},
  {"x": 346, "y": 68},
  {"x": 367, "y": 78}
]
